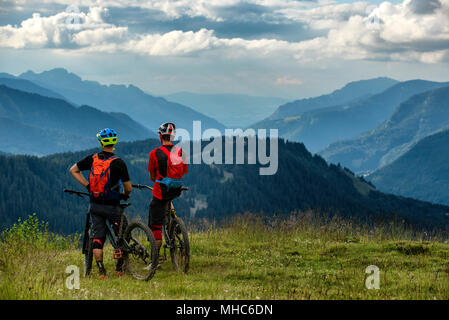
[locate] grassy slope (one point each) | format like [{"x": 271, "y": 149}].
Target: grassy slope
[{"x": 302, "y": 258}]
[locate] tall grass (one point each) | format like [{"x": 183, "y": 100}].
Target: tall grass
[
  {"x": 29, "y": 258},
  {"x": 321, "y": 225},
  {"x": 303, "y": 256}
]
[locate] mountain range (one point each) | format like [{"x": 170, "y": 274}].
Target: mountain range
[
  {"x": 367, "y": 125},
  {"x": 421, "y": 172},
  {"x": 414, "y": 119},
  {"x": 34, "y": 124},
  {"x": 233, "y": 110},
  {"x": 303, "y": 182},
  {"x": 28, "y": 86},
  {"x": 351, "y": 92},
  {"x": 148, "y": 110},
  {"x": 318, "y": 128}
]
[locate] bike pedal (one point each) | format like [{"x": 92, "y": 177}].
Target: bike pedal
[{"x": 117, "y": 254}]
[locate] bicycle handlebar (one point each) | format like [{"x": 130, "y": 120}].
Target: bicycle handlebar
[
  {"x": 141, "y": 186},
  {"x": 137, "y": 186},
  {"x": 78, "y": 193}
]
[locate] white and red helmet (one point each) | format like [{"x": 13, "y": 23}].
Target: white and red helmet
[{"x": 167, "y": 128}]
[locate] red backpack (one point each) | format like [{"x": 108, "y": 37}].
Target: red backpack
[
  {"x": 175, "y": 168},
  {"x": 99, "y": 179}
]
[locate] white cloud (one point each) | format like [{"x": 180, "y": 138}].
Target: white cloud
[
  {"x": 404, "y": 32},
  {"x": 401, "y": 35},
  {"x": 325, "y": 15},
  {"x": 60, "y": 30},
  {"x": 173, "y": 43},
  {"x": 176, "y": 8}
]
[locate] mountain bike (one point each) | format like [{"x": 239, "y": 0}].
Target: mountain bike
[
  {"x": 175, "y": 235},
  {"x": 136, "y": 245}
]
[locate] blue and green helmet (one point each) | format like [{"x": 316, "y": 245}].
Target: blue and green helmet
[{"x": 107, "y": 137}]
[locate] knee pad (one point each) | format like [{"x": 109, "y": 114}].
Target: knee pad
[
  {"x": 98, "y": 243},
  {"x": 157, "y": 231}
]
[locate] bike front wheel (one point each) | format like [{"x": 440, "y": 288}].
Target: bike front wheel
[
  {"x": 180, "y": 247},
  {"x": 142, "y": 255}
]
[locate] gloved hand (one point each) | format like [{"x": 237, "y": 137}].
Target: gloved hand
[{"x": 123, "y": 196}]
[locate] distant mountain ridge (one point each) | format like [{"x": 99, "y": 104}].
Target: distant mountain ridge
[
  {"x": 28, "y": 86},
  {"x": 422, "y": 172},
  {"x": 355, "y": 90},
  {"x": 34, "y": 124},
  {"x": 140, "y": 106},
  {"x": 233, "y": 110},
  {"x": 319, "y": 128},
  {"x": 421, "y": 115}
]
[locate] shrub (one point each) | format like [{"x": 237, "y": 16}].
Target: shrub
[{"x": 34, "y": 233}]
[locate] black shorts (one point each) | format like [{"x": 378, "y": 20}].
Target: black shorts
[
  {"x": 101, "y": 214},
  {"x": 157, "y": 214}
]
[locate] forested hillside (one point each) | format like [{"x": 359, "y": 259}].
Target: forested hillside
[
  {"x": 303, "y": 181},
  {"x": 318, "y": 128},
  {"x": 413, "y": 120},
  {"x": 422, "y": 172}
]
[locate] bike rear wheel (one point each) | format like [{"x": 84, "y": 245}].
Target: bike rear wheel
[
  {"x": 88, "y": 255},
  {"x": 180, "y": 247},
  {"x": 142, "y": 257}
]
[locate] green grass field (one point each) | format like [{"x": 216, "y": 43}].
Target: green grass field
[{"x": 304, "y": 257}]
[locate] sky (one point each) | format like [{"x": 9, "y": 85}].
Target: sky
[{"x": 284, "y": 48}]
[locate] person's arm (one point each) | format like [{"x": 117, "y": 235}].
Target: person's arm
[
  {"x": 125, "y": 179},
  {"x": 76, "y": 173},
  {"x": 152, "y": 166},
  {"x": 184, "y": 160},
  {"x": 127, "y": 188}
]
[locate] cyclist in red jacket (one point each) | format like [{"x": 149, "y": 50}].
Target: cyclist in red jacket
[{"x": 167, "y": 166}]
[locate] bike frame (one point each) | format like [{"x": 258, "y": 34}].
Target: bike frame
[
  {"x": 171, "y": 214},
  {"x": 117, "y": 241},
  {"x": 110, "y": 234}
]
